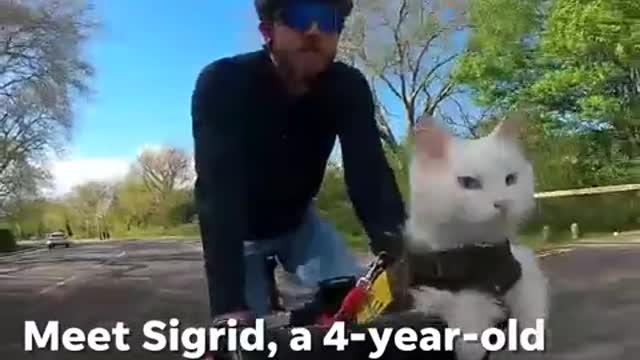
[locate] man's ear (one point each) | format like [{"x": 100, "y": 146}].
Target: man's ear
[
  {"x": 431, "y": 141},
  {"x": 266, "y": 29}
]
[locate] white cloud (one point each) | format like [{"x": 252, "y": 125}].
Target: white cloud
[
  {"x": 148, "y": 147},
  {"x": 71, "y": 172}
]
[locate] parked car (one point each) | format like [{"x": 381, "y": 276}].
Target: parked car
[{"x": 57, "y": 238}]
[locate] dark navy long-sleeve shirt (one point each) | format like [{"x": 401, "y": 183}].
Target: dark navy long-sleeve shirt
[{"x": 260, "y": 159}]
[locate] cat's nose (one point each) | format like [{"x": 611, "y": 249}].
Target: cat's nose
[{"x": 500, "y": 205}]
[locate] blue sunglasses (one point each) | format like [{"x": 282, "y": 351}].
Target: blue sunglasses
[{"x": 302, "y": 16}]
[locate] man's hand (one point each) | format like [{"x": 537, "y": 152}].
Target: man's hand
[{"x": 243, "y": 318}]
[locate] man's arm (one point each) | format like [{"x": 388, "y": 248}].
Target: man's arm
[
  {"x": 370, "y": 181},
  {"x": 221, "y": 193}
]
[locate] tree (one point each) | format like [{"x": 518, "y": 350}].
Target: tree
[
  {"x": 574, "y": 59},
  {"x": 574, "y": 63},
  {"x": 92, "y": 202},
  {"x": 408, "y": 47},
  {"x": 26, "y": 217},
  {"x": 133, "y": 203},
  {"x": 594, "y": 76},
  {"x": 164, "y": 170},
  {"x": 20, "y": 182},
  {"x": 178, "y": 208},
  {"x": 41, "y": 70}
]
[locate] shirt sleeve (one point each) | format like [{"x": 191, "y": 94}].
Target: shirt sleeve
[
  {"x": 370, "y": 181},
  {"x": 218, "y": 122}
]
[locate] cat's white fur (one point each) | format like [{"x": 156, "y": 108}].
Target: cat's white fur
[{"x": 442, "y": 214}]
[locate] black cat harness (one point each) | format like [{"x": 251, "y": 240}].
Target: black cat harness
[{"x": 487, "y": 268}]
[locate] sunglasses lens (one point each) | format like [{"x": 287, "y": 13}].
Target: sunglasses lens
[{"x": 302, "y": 16}]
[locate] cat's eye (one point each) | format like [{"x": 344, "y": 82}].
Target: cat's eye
[
  {"x": 511, "y": 179},
  {"x": 469, "y": 182}
]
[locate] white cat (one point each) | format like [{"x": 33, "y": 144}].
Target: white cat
[{"x": 473, "y": 191}]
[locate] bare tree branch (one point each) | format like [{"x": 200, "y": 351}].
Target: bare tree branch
[
  {"x": 164, "y": 170},
  {"x": 427, "y": 78},
  {"x": 412, "y": 39}
]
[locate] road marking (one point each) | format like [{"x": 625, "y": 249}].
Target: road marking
[
  {"x": 30, "y": 277},
  {"x": 123, "y": 253},
  {"x": 8, "y": 270},
  {"x": 57, "y": 285},
  {"x": 174, "y": 291},
  {"x": 554, "y": 252}
]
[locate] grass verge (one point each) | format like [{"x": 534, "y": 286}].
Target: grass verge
[{"x": 184, "y": 231}]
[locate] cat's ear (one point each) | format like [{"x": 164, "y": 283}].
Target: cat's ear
[
  {"x": 510, "y": 128},
  {"x": 431, "y": 141}
]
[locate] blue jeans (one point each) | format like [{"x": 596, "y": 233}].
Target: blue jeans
[{"x": 313, "y": 252}]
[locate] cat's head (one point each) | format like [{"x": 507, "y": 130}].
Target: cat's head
[{"x": 470, "y": 182}]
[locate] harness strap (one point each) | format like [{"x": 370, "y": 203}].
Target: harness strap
[{"x": 490, "y": 268}]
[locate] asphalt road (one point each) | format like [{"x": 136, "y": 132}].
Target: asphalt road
[{"x": 595, "y": 312}]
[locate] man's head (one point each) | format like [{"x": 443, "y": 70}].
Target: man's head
[{"x": 302, "y": 35}]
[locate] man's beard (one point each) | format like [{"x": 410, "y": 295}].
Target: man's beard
[{"x": 291, "y": 64}]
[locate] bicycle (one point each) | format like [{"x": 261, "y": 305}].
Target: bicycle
[{"x": 348, "y": 301}]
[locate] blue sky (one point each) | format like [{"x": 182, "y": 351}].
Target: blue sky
[{"x": 147, "y": 57}]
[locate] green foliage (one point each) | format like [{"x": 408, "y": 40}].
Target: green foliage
[
  {"x": 94, "y": 209},
  {"x": 7, "y": 241},
  {"x": 569, "y": 56},
  {"x": 334, "y": 204},
  {"x": 576, "y": 62},
  {"x": 133, "y": 203},
  {"x": 28, "y": 219},
  {"x": 333, "y": 200},
  {"x": 499, "y": 60},
  {"x": 576, "y": 159},
  {"x": 159, "y": 231}
]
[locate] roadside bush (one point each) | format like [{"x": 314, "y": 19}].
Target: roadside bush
[{"x": 7, "y": 241}]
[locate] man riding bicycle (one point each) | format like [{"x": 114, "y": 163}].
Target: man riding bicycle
[{"x": 264, "y": 126}]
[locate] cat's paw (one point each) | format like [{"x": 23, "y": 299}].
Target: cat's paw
[
  {"x": 474, "y": 311},
  {"x": 431, "y": 301}
]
